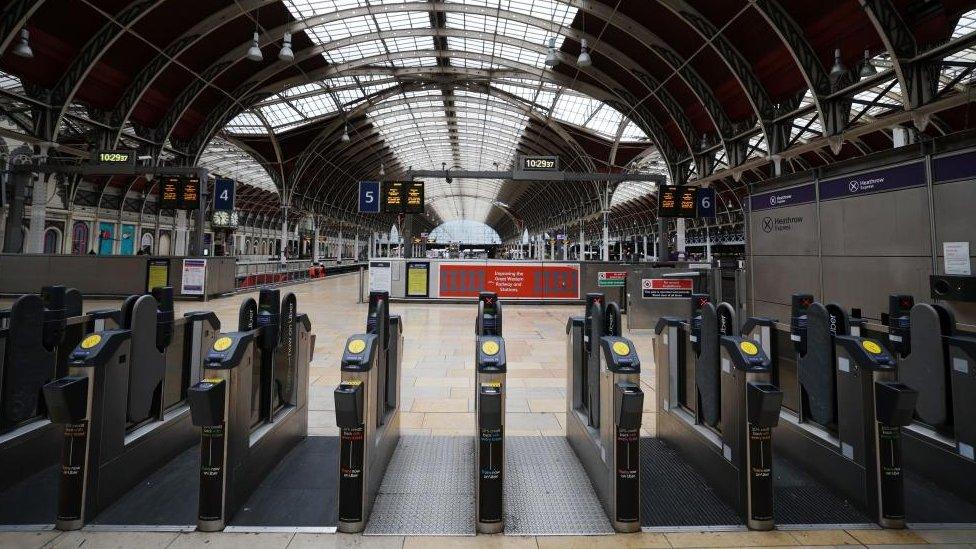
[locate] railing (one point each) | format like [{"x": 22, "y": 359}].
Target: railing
[{"x": 262, "y": 274}]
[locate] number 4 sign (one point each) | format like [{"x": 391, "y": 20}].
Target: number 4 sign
[{"x": 224, "y": 194}]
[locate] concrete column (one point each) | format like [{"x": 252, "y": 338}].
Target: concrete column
[
  {"x": 180, "y": 233},
  {"x": 605, "y": 248},
  {"x": 315, "y": 244},
  {"x": 679, "y": 239},
  {"x": 284, "y": 234}
]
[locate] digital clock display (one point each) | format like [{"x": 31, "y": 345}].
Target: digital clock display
[
  {"x": 540, "y": 163},
  {"x": 115, "y": 157}
]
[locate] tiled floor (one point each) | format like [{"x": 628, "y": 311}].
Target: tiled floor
[{"x": 437, "y": 399}]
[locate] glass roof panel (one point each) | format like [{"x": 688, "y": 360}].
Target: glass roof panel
[
  {"x": 246, "y": 123},
  {"x": 225, "y": 159},
  {"x": 632, "y": 190}
]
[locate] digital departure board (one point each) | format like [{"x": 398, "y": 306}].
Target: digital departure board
[
  {"x": 190, "y": 193},
  {"x": 415, "y": 198},
  {"x": 169, "y": 192},
  {"x": 394, "y": 197},
  {"x": 677, "y": 201}
]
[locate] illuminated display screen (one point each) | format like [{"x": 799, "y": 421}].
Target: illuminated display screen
[
  {"x": 169, "y": 192},
  {"x": 677, "y": 201},
  {"x": 115, "y": 157},
  {"x": 415, "y": 197},
  {"x": 393, "y": 197},
  {"x": 190, "y": 193},
  {"x": 540, "y": 163}
]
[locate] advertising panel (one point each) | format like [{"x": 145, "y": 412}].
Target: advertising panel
[
  {"x": 418, "y": 275},
  {"x": 510, "y": 280}
]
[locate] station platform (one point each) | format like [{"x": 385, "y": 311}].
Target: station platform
[{"x": 437, "y": 417}]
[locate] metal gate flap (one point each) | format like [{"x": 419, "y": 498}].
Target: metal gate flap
[
  {"x": 924, "y": 369},
  {"x": 707, "y": 368},
  {"x": 816, "y": 367}
]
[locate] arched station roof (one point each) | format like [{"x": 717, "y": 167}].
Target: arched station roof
[{"x": 711, "y": 93}]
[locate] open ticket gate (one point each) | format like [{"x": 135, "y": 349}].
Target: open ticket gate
[
  {"x": 718, "y": 406},
  {"x": 367, "y": 412},
  {"x": 605, "y": 404},
  {"x": 848, "y": 407},
  {"x": 489, "y": 385}
]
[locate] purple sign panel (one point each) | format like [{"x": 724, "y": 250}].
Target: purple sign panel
[
  {"x": 899, "y": 177},
  {"x": 782, "y": 198},
  {"x": 957, "y": 166}
]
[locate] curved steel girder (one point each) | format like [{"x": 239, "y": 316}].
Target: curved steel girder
[
  {"x": 804, "y": 55},
  {"x": 63, "y": 93},
  {"x": 652, "y": 85},
  {"x": 220, "y": 115},
  {"x": 14, "y": 17},
  {"x": 737, "y": 64},
  {"x": 336, "y": 124},
  {"x": 279, "y": 176},
  {"x": 643, "y": 118},
  {"x": 900, "y": 43}
]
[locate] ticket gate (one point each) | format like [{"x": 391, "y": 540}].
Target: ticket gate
[
  {"x": 491, "y": 367},
  {"x": 940, "y": 363},
  {"x": 33, "y": 337},
  {"x": 604, "y": 409},
  {"x": 367, "y": 412},
  {"x": 845, "y": 408},
  {"x": 250, "y": 405},
  {"x": 121, "y": 403},
  {"x": 717, "y": 405}
]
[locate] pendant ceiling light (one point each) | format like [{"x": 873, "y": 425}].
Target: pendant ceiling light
[
  {"x": 254, "y": 52},
  {"x": 286, "y": 54},
  {"x": 551, "y": 58},
  {"x": 23, "y": 49},
  {"x": 868, "y": 68},
  {"x": 584, "y": 59}
]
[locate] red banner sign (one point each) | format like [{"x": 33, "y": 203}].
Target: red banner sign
[
  {"x": 510, "y": 281},
  {"x": 667, "y": 288}
]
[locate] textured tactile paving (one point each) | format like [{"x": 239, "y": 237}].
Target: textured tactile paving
[
  {"x": 547, "y": 491},
  {"x": 428, "y": 489}
]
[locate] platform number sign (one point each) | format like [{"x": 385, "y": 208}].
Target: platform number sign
[
  {"x": 369, "y": 197},
  {"x": 224, "y": 191},
  {"x": 706, "y": 202}
]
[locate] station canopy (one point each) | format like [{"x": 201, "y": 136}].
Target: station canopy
[{"x": 440, "y": 127}]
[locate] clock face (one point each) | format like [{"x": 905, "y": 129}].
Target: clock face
[{"x": 222, "y": 218}]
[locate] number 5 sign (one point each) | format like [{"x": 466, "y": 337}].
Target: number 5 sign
[
  {"x": 706, "y": 202},
  {"x": 224, "y": 194},
  {"x": 369, "y": 197}
]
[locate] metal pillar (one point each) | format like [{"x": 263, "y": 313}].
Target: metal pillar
[
  {"x": 180, "y": 246},
  {"x": 339, "y": 253},
  {"x": 644, "y": 249},
  {"x": 679, "y": 235},
  {"x": 283, "y": 253},
  {"x": 355, "y": 247},
  {"x": 605, "y": 247},
  {"x": 315, "y": 243},
  {"x": 662, "y": 240}
]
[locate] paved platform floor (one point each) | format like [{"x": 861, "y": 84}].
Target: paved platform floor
[{"x": 437, "y": 400}]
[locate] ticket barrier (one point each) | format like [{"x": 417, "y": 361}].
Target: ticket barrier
[
  {"x": 847, "y": 407},
  {"x": 251, "y": 403},
  {"x": 367, "y": 412},
  {"x": 940, "y": 363},
  {"x": 491, "y": 367},
  {"x": 36, "y": 335},
  {"x": 122, "y": 403},
  {"x": 717, "y": 405},
  {"x": 604, "y": 409}
]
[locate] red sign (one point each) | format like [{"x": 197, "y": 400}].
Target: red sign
[
  {"x": 613, "y": 275},
  {"x": 510, "y": 280},
  {"x": 667, "y": 288}
]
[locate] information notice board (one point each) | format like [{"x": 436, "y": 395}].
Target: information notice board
[
  {"x": 380, "y": 276},
  {"x": 667, "y": 288},
  {"x": 194, "y": 277},
  {"x": 157, "y": 273},
  {"x": 418, "y": 278}
]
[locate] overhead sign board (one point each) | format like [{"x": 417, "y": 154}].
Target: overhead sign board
[
  {"x": 169, "y": 192},
  {"x": 189, "y": 193},
  {"x": 540, "y": 163},
  {"x": 394, "y": 197},
  {"x": 224, "y": 194},
  {"x": 706, "y": 202},
  {"x": 369, "y": 197},
  {"x": 677, "y": 201},
  {"x": 116, "y": 157},
  {"x": 415, "y": 198}
]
